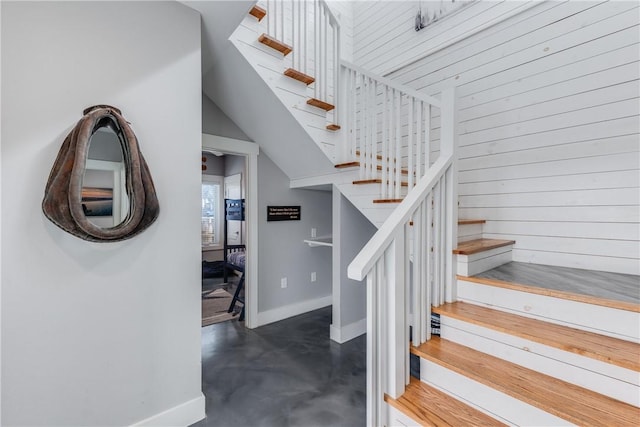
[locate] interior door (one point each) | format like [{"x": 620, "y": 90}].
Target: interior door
[{"x": 233, "y": 190}]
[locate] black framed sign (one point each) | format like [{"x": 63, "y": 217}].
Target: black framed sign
[{"x": 283, "y": 213}]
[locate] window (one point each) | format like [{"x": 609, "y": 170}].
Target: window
[{"x": 212, "y": 211}]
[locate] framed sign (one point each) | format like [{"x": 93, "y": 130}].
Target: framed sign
[{"x": 283, "y": 213}]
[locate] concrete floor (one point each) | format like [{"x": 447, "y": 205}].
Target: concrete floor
[{"x": 284, "y": 374}]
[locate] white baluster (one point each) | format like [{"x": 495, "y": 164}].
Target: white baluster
[
  {"x": 385, "y": 143},
  {"x": 398, "y": 154},
  {"x": 410, "y": 159}
]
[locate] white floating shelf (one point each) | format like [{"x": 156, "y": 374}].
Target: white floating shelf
[{"x": 319, "y": 241}]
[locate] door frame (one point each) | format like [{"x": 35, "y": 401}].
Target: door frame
[{"x": 250, "y": 151}]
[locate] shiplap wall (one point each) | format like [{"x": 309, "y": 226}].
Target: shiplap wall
[{"x": 549, "y": 120}]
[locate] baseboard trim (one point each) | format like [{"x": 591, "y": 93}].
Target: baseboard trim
[
  {"x": 184, "y": 414},
  {"x": 348, "y": 332},
  {"x": 281, "y": 313}
]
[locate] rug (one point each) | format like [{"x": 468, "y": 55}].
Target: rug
[{"x": 215, "y": 305}]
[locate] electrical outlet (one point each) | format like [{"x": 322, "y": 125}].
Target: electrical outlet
[
  {"x": 313, "y": 276},
  {"x": 314, "y": 232},
  {"x": 283, "y": 282}
]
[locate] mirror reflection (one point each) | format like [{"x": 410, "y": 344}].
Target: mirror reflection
[{"x": 105, "y": 201}]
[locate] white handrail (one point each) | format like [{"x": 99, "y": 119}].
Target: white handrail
[
  {"x": 393, "y": 84},
  {"x": 422, "y": 228},
  {"x": 374, "y": 249},
  {"x": 386, "y": 130}
]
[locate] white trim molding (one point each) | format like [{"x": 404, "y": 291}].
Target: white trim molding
[
  {"x": 281, "y": 313},
  {"x": 184, "y": 414},
  {"x": 250, "y": 150},
  {"x": 348, "y": 332}
]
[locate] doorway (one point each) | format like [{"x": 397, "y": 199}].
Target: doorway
[{"x": 246, "y": 230}]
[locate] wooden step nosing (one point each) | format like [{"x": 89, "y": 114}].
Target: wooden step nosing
[
  {"x": 481, "y": 245},
  {"x": 443, "y": 409},
  {"x": 527, "y": 384},
  {"x": 532, "y": 329},
  {"x": 315, "y": 102},
  {"x": 532, "y": 289},
  {"x": 269, "y": 41},
  {"x": 299, "y": 76},
  {"x": 258, "y": 12},
  {"x": 387, "y": 200},
  {"x": 471, "y": 221}
]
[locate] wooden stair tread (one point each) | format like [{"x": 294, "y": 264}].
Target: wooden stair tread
[
  {"x": 387, "y": 200},
  {"x": 588, "y": 299},
  {"x": 258, "y": 12},
  {"x": 299, "y": 76},
  {"x": 347, "y": 165},
  {"x": 357, "y": 163},
  {"x": 320, "y": 104},
  {"x": 615, "y": 351},
  {"x": 480, "y": 245},
  {"x": 471, "y": 221},
  {"x": 431, "y": 407},
  {"x": 333, "y": 127},
  {"x": 275, "y": 44},
  {"x": 567, "y": 401},
  {"x": 375, "y": 181}
]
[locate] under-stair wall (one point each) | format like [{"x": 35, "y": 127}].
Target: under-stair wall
[{"x": 549, "y": 119}]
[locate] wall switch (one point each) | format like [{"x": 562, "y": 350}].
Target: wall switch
[
  {"x": 283, "y": 282},
  {"x": 314, "y": 232},
  {"x": 313, "y": 276}
]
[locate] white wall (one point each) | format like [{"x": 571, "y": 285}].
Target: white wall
[
  {"x": 351, "y": 232},
  {"x": 384, "y": 38},
  {"x": 100, "y": 333},
  {"x": 216, "y": 122},
  {"x": 282, "y": 252},
  {"x": 548, "y": 130}
]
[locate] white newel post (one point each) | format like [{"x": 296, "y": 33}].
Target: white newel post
[
  {"x": 449, "y": 146},
  {"x": 396, "y": 344}
]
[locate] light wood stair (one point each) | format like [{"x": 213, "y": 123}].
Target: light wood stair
[
  {"x": 588, "y": 344},
  {"x": 258, "y": 12},
  {"x": 476, "y": 246},
  {"x": 431, "y": 407},
  {"x": 476, "y": 256},
  {"x": 299, "y": 76},
  {"x": 275, "y": 44},
  {"x": 320, "y": 104},
  {"x": 550, "y": 395}
]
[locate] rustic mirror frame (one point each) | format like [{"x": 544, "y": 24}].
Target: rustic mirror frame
[{"x": 62, "y": 203}]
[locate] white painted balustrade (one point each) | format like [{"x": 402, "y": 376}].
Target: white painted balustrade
[
  {"x": 388, "y": 130},
  {"x": 313, "y": 33},
  {"x": 409, "y": 267}
]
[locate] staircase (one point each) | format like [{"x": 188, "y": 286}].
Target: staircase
[
  {"x": 507, "y": 353},
  {"x": 381, "y": 138}
]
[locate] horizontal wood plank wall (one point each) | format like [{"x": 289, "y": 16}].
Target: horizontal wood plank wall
[
  {"x": 549, "y": 123},
  {"x": 343, "y": 11}
]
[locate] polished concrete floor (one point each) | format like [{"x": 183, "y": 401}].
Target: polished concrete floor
[
  {"x": 600, "y": 284},
  {"x": 284, "y": 374}
]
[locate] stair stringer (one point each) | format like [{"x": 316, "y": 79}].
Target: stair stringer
[{"x": 270, "y": 66}]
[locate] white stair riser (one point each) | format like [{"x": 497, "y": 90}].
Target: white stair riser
[
  {"x": 595, "y": 318},
  {"x": 470, "y": 265},
  {"x": 613, "y": 381},
  {"x": 467, "y": 232},
  {"x": 486, "y": 399},
  {"x": 398, "y": 419}
]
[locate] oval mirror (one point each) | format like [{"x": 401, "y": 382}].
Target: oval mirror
[{"x": 105, "y": 201}]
